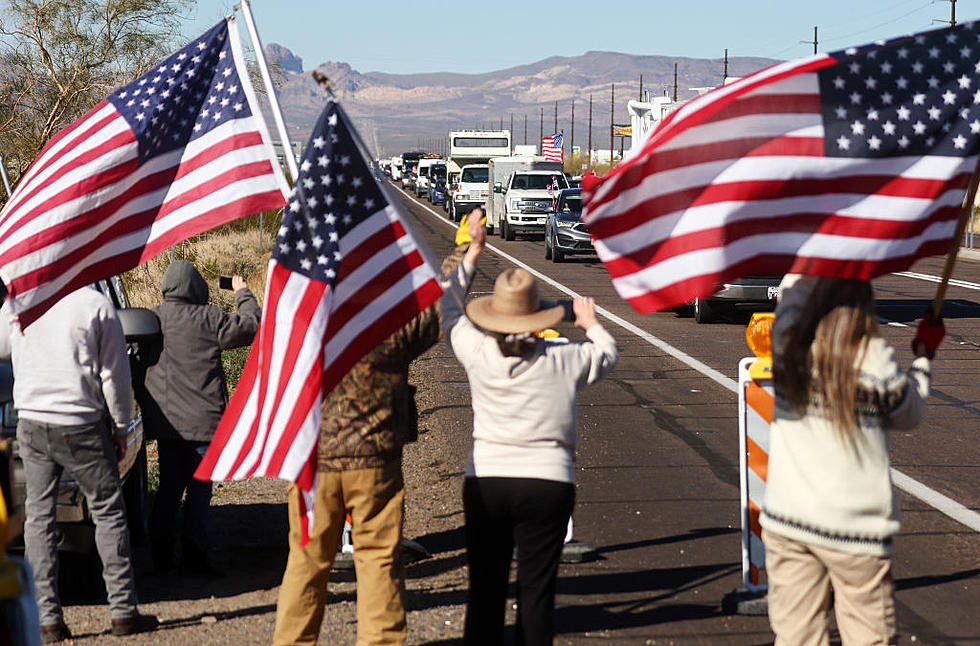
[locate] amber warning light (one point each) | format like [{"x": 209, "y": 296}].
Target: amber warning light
[{"x": 759, "y": 337}]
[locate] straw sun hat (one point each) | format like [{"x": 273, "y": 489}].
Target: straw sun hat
[{"x": 514, "y": 306}]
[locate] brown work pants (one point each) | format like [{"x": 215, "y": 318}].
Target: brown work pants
[
  {"x": 374, "y": 498},
  {"x": 800, "y": 577}
]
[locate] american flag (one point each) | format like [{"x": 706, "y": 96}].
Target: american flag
[
  {"x": 177, "y": 152},
  {"x": 850, "y": 164},
  {"x": 344, "y": 275},
  {"x": 551, "y": 147}
]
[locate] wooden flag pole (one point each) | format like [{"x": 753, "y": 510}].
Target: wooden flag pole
[{"x": 965, "y": 214}]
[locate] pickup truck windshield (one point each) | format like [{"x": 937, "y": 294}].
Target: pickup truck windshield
[
  {"x": 538, "y": 182},
  {"x": 475, "y": 175}
]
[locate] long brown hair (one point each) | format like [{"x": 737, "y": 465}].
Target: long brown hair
[{"x": 824, "y": 349}]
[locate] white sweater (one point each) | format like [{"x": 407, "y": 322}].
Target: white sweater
[
  {"x": 525, "y": 423},
  {"x": 820, "y": 490},
  {"x": 70, "y": 365}
]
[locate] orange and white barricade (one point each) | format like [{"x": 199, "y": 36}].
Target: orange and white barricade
[{"x": 755, "y": 406}]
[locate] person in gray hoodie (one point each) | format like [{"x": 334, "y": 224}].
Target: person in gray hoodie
[{"x": 185, "y": 395}]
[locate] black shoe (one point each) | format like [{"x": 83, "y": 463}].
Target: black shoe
[
  {"x": 54, "y": 633},
  {"x": 136, "y": 624}
]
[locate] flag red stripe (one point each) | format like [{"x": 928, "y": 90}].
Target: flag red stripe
[
  {"x": 384, "y": 278},
  {"x": 302, "y": 309},
  {"x": 88, "y": 122},
  {"x": 757, "y": 104},
  {"x": 813, "y": 223},
  {"x": 262, "y": 347},
  {"x": 761, "y": 190},
  {"x": 364, "y": 251},
  {"x": 130, "y": 223}
]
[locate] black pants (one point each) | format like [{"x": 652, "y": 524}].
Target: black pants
[{"x": 500, "y": 513}]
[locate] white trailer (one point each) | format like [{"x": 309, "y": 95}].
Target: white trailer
[{"x": 471, "y": 148}]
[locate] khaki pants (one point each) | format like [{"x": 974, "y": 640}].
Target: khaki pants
[
  {"x": 374, "y": 498},
  {"x": 800, "y": 578}
]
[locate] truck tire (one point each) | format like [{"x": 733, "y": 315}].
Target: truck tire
[
  {"x": 503, "y": 229},
  {"x": 508, "y": 232},
  {"x": 703, "y": 312}
]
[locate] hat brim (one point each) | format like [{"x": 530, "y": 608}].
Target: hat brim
[{"x": 481, "y": 312}]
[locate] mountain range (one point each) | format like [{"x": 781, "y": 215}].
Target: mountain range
[{"x": 397, "y": 112}]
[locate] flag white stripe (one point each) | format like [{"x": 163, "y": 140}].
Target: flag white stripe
[
  {"x": 681, "y": 267},
  {"x": 710, "y": 216},
  {"x": 746, "y": 127},
  {"x": 368, "y": 271},
  {"x": 377, "y": 308},
  {"x": 932, "y": 167},
  {"x": 45, "y": 165}
]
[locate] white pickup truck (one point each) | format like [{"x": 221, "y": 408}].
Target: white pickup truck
[{"x": 522, "y": 194}]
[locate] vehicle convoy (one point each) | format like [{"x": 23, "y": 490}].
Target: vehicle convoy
[
  {"x": 76, "y": 531},
  {"x": 396, "y": 168},
  {"x": 522, "y": 194},
  {"x": 565, "y": 234},
  {"x": 471, "y": 149}
]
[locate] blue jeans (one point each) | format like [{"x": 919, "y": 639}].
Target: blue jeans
[
  {"x": 178, "y": 461},
  {"x": 87, "y": 453}
]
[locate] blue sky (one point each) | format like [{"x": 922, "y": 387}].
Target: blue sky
[{"x": 438, "y": 36}]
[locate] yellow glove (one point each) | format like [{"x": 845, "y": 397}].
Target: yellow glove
[{"x": 462, "y": 233}]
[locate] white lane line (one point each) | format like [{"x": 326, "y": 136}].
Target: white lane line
[
  {"x": 909, "y": 485},
  {"x": 937, "y": 279}
]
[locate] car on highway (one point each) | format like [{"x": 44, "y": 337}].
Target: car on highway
[
  {"x": 437, "y": 192},
  {"x": 564, "y": 233},
  {"x": 750, "y": 293},
  {"x": 437, "y": 173},
  {"x": 75, "y": 529}
]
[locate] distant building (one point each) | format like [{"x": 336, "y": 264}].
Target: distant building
[{"x": 280, "y": 153}]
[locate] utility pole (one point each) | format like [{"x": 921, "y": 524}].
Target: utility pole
[
  {"x": 612, "y": 121},
  {"x": 641, "y": 87},
  {"x": 556, "y": 118},
  {"x": 525, "y": 128},
  {"x": 724, "y": 76},
  {"x": 589, "y": 152},
  {"x": 952, "y": 14},
  {"x": 675, "y": 82},
  {"x": 571, "y": 143},
  {"x": 512, "y": 125},
  {"x": 541, "y": 124},
  {"x": 814, "y": 41}
]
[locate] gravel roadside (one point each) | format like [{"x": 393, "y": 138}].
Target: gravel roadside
[{"x": 249, "y": 528}]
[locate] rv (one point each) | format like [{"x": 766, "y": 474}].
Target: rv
[{"x": 471, "y": 149}]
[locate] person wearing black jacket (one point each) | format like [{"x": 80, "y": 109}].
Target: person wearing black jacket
[{"x": 186, "y": 394}]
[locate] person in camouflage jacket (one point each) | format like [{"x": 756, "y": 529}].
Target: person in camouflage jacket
[{"x": 367, "y": 419}]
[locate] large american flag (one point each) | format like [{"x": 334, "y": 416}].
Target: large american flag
[
  {"x": 551, "y": 147},
  {"x": 175, "y": 153},
  {"x": 344, "y": 275},
  {"x": 849, "y": 164}
]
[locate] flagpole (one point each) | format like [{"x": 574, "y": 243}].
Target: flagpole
[
  {"x": 3, "y": 173},
  {"x": 396, "y": 204},
  {"x": 965, "y": 214},
  {"x": 288, "y": 154}
]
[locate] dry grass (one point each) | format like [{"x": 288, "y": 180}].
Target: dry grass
[{"x": 221, "y": 252}]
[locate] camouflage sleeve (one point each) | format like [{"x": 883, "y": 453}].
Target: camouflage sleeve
[{"x": 423, "y": 332}]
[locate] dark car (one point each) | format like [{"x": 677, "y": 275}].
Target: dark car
[
  {"x": 76, "y": 532},
  {"x": 564, "y": 233},
  {"x": 437, "y": 192},
  {"x": 750, "y": 293}
]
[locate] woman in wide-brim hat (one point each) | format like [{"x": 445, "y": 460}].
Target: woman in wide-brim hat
[{"x": 520, "y": 478}]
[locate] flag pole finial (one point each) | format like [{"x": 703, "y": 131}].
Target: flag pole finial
[{"x": 323, "y": 81}]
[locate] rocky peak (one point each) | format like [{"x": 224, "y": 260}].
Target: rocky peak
[{"x": 288, "y": 61}]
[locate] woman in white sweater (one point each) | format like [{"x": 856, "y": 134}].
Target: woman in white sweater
[
  {"x": 830, "y": 512},
  {"x": 519, "y": 489}
]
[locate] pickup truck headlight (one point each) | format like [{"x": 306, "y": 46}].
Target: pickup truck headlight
[{"x": 515, "y": 205}]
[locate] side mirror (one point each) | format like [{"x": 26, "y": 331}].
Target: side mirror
[
  {"x": 498, "y": 187},
  {"x": 139, "y": 324}
]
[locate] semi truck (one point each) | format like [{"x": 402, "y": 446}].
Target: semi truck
[
  {"x": 471, "y": 149},
  {"x": 522, "y": 193}
]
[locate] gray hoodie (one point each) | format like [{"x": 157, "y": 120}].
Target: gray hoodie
[{"x": 186, "y": 391}]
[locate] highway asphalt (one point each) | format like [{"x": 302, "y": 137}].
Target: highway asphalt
[{"x": 658, "y": 492}]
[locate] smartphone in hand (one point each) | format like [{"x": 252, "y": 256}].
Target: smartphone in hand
[{"x": 224, "y": 282}]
